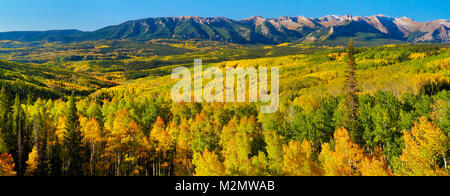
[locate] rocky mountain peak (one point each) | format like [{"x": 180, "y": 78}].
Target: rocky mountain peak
[{"x": 256, "y": 29}]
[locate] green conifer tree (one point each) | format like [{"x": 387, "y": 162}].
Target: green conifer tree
[
  {"x": 351, "y": 95},
  {"x": 18, "y": 121},
  {"x": 6, "y": 136},
  {"x": 54, "y": 159},
  {"x": 74, "y": 140}
]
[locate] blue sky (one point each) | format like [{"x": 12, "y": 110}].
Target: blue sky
[{"x": 94, "y": 14}]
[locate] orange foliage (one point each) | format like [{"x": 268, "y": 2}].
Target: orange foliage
[{"x": 6, "y": 165}]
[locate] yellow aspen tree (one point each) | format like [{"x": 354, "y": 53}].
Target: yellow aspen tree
[
  {"x": 91, "y": 130},
  {"x": 61, "y": 128},
  {"x": 163, "y": 146},
  {"x": 123, "y": 144},
  {"x": 237, "y": 140},
  {"x": 116, "y": 148},
  {"x": 133, "y": 141},
  {"x": 158, "y": 128},
  {"x": 32, "y": 162},
  {"x": 260, "y": 165},
  {"x": 92, "y": 136},
  {"x": 328, "y": 161},
  {"x": 274, "y": 152},
  {"x": 297, "y": 160},
  {"x": 344, "y": 159},
  {"x": 375, "y": 165},
  {"x": 183, "y": 157},
  {"x": 425, "y": 145},
  {"x": 174, "y": 132},
  {"x": 208, "y": 164},
  {"x": 161, "y": 142}
]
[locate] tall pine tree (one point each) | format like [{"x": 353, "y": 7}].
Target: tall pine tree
[
  {"x": 18, "y": 121},
  {"x": 74, "y": 140},
  {"x": 7, "y": 136},
  {"x": 351, "y": 95},
  {"x": 40, "y": 142},
  {"x": 54, "y": 159}
]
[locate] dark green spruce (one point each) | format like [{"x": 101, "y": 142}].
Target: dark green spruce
[
  {"x": 74, "y": 140},
  {"x": 351, "y": 96}
]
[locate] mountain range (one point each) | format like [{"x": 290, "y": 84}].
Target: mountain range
[{"x": 254, "y": 30}]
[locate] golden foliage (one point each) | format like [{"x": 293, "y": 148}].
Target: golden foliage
[
  {"x": 418, "y": 56},
  {"x": 91, "y": 130},
  {"x": 337, "y": 56},
  {"x": 61, "y": 130},
  {"x": 348, "y": 158},
  {"x": 208, "y": 164},
  {"x": 298, "y": 160},
  {"x": 440, "y": 64},
  {"x": 32, "y": 162},
  {"x": 160, "y": 136},
  {"x": 6, "y": 165},
  {"x": 425, "y": 145},
  {"x": 274, "y": 152},
  {"x": 375, "y": 165},
  {"x": 183, "y": 157},
  {"x": 345, "y": 157}
]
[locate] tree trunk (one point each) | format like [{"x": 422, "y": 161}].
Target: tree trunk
[
  {"x": 445, "y": 163},
  {"x": 20, "y": 150}
]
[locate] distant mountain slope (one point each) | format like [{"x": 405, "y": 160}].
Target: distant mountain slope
[
  {"x": 53, "y": 35},
  {"x": 255, "y": 30}
]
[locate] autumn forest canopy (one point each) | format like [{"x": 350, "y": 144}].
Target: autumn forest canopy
[{"x": 103, "y": 108}]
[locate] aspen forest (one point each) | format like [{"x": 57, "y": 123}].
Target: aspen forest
[{"x": 344, "y": 111}]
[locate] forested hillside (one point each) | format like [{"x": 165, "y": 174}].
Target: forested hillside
[{"x": 115, "y": 117}]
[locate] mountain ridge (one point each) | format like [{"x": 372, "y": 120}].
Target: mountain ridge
[{"x": 253, "y": 30}]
